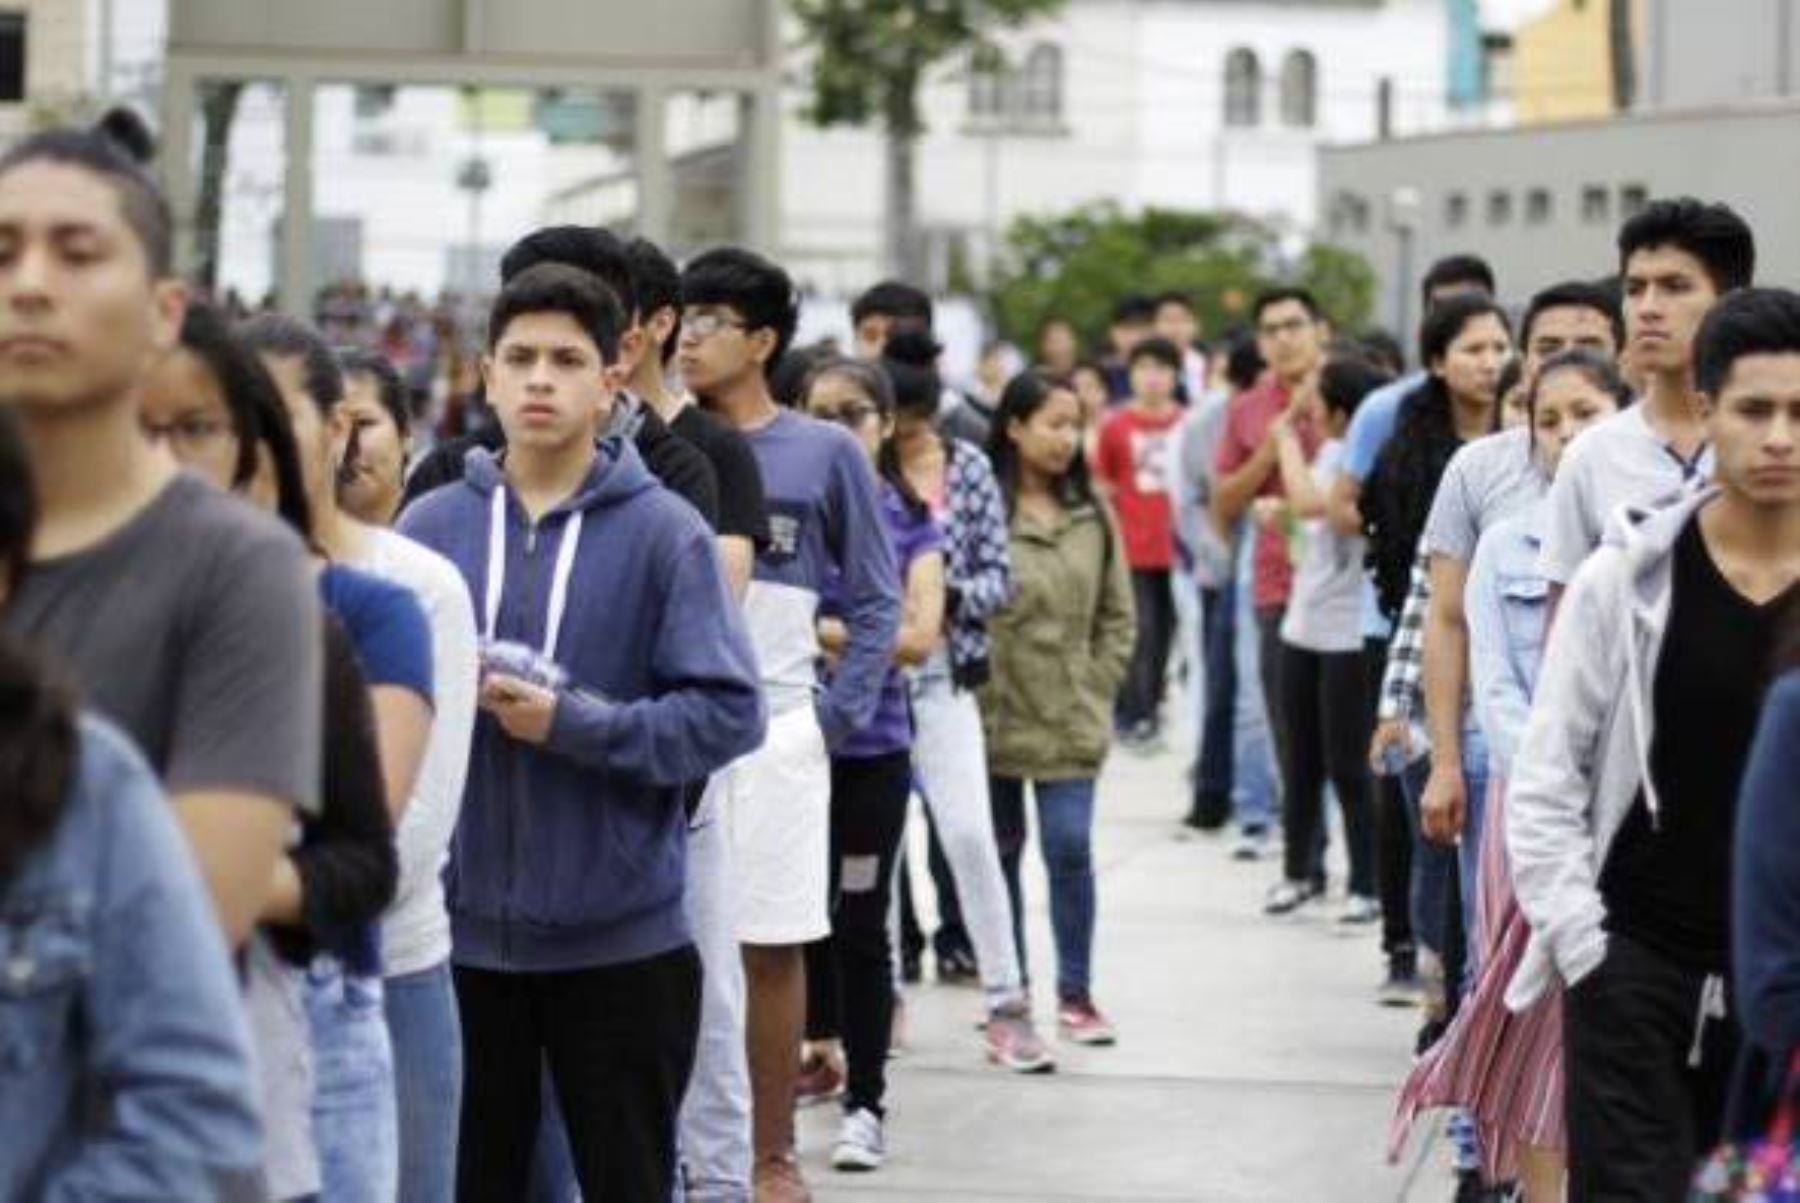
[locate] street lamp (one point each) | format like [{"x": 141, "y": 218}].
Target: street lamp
[{"x": 1405, "y": 207}]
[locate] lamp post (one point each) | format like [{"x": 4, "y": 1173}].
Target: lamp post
[{"x": 1404, "y": 209}]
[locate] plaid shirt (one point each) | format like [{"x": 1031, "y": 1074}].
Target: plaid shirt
[
  {"x": 977, "y": 567},
  {"x": 1402, "y": 693}
]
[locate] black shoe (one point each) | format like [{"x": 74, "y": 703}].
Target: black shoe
[
  {"x": 1471, "y": 1189},
  {"x": 956, "y": 964},
  {"x": 1429, "y": 1034},
  {"x": 911, "y": 971}
]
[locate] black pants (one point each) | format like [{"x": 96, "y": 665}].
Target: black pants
[
  {"x": 850, "y": 973},
  {"x": 1640, "y": 1116},
  {"x": 1140, "y": 701},
  {"x": 1212, "y": 773},
  {"x": 619, "y": 1045},
  {"x": 1268, "y": 666},
  {"x": 1326, "y": 712},
  {"x": 1393, "y": 833}
]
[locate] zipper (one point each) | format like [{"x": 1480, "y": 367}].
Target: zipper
[{"x": 516, "y": 807}]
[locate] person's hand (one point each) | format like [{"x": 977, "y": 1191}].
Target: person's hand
[
  {"x": 1281, "y": 430},
  {"x": 1267, "y": 510},
  {"x": 1391, "y": 733},
  {"x": 1305, "y": 401},
  {"x": 525, "y": 711},
  {"x": 1444, "y": 805}
]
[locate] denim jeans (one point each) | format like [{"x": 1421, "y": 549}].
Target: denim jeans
[
  {"x": 1253, "y": 752},
  {"x": 1468, "y": 849},
  {"x": 1065, "y": 835},
  {"x": 1432, "y": 865},
  {"x": 355, "y": 1121},
  {"x": 427, "y": 1037}
]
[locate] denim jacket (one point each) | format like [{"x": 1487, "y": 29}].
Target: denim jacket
[
  {"x": 1507, "y": 603},
  {"x": 124, "y": 1053}
]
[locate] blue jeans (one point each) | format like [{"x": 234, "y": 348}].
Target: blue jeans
[
  {"x": 1432, "y": 865},
  {"x": 427, "y": 1037},
  {"x": 354, "y": 1117},
  {"x": 1468, "y": 850},
  {"x": 1065, "y": 836},
  {"x": 1253, "y": 752}
]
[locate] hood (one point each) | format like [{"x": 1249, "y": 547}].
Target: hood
[
  {"x": 618, "y": 473},
  {"x": 1646, "y": 535}
]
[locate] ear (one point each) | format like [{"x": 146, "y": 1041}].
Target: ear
[
  {"x": 168, "y": 301},
  {"x": 631, "y": 349},
  {"x": 613, "y": 376},
  {"x": 487, "y": 372},
  {"x": 762, "y": 344},
  {"x": 1708, "y": 405}
]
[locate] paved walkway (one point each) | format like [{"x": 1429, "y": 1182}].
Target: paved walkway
[{"x": 1253, "y": 1064}]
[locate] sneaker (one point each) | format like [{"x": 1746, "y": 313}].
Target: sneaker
[
  {"x": 1253, "y": 844},
  {"x": 956, "y": 965},
  {"x": 1402, "y": 987},
  {"x": 1358, "y": 910},
  {"x": 777, "y": 1179},
  {"x": 860, "y": 1144},
  {"x": 1285, "y": 897},
  {"x": 821, "y": 1080},
  {"x": 1079, "y": 1021},
  {"x": 1013, "y": 1042},
  {"x": 911, "y": 969}
]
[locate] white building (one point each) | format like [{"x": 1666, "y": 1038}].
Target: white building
[{"x": 1197, "y": 104}]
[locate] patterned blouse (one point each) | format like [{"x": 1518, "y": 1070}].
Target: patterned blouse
[{"x": 978, "y": 573}]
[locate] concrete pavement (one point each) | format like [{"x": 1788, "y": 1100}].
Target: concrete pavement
[{"x": 1253, "y": 1064}]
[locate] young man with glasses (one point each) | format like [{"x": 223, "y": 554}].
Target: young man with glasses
[{"x": 825, "y": 520}]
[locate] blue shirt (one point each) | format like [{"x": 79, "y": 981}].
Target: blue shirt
[
  {"x": 386, "y": 623},
  {"x": 117, "y": 988},
  {"x": 1507, "y": 604},
  {"x": 1370, "y": 429}
]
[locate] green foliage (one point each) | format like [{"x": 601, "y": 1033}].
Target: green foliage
[
  {"x": 867, "y": 57},
  {"x": 1077, "y": 265}
]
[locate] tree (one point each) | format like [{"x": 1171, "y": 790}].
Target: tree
[
  {"x": 1077, "y": 265},
  {"x": 218, "y": 109},
  {"x": 1622, "y": 52},
  {"x": 869, "y": 58}
]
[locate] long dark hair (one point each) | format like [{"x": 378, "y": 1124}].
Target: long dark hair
[
  {"x": 239, "y": 374},
  {"x": 38, "y": 742},
  {"x": 272, "y": 429},
  {"x": 1023, "y": 396},
  {"x": 1399, "y": 492},
  {"x": 910, "y": 361},
  {"x": 1597, "y": 369}
]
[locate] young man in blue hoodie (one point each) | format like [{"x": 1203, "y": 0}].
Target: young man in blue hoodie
[
  {"x": 1625, "y": 785},
  {"x": 738, "y": 316},
  {"x": 616, "y": 668}
]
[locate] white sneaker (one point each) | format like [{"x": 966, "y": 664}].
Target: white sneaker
[
  {"x": 860, "y": 1144},
  {"x": 1358, "y": 910}
]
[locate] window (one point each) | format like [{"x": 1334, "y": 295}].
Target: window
[
  {"x": 1456, "y": 210},
  {"x": 1243, "y": 89},
  {"x": 1632, "y": 199},
  {"x": 987, "y": 91},
  {"x": 1537, "y": 207},
  {"x": 1499, "y": 208},
  {"x": 12, "y": 58},
  {"x": 1040, "y": 86},
  {"x": 372, "y": 100},
  {"x": 1594, "y": 207},
  {"x": 1300, "y": 89}
]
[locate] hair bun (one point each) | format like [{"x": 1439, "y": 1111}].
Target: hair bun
[
  {"x": 914, "y": 347},
  {"x": 129, "y": 132}
]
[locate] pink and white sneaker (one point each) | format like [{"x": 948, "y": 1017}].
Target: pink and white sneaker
[{"x": 1079, "y": 1021}]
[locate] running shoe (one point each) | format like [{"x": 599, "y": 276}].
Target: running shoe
[
  {"x": 1079, "y": 1021},
  {"x": 777, "y": 1179},
  {"x": 1253, "y": 844},
  {"x": 861, "y": 1145},
  {"x": 1402, "y": 987},
  {"x": 1286, "y": 897},
  {"x": 1013, "y": 1042},
  {"x": 821, "y": 1080},
  {"x": 956, "y": 964},
  {"x": 1359, "y": 910}
]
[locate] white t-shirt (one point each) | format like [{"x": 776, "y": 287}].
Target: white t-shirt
[
  {"x": 1324, "y": 611},
  {"x": 415, "y": 932},
  {"x": 1621, "y": 461}
]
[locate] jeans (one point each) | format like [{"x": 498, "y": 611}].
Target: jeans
[
  {"x": 619, "y": 1043},
  {"x": 849, "y": 974},
  {"x": 1140, "y": 701},
  {"x": 1212, "y": 771},
  {"x": 715, "y": 1114},
  {"x": 1468, "y": 848},
  {"x": 1433, "y": 865},
  {"x": 1253, "y": 753},
  {"x": 355, "y": 1120},
  {"x": 427, "y": 1038},
  {"x": 1393, "y": 832},
  {"x": 1066, "y": 828},
  {"x": 1328, "y": 737},
  {"x": 950, "y": 766}
]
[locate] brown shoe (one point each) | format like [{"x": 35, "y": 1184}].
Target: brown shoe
[{"x": 778, "y": 1180}]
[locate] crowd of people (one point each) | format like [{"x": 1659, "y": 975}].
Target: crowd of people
[{"x": 526, "y": 818}]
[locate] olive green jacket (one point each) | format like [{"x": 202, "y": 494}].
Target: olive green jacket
[{"x": 1061, "y": 647}]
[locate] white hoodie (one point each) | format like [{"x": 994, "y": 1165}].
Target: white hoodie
[{"x": 1586, "y": 749}]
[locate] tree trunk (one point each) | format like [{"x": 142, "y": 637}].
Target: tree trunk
[
  {"x": 218, "y": 108},
  {"x": 902, "y": 204},
  {"x": 1623, "y": 54}
]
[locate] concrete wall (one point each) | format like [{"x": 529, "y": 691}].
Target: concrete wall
[
  {"x": 1744, "y": 157},
  {"x": 1719, "y": 51}
]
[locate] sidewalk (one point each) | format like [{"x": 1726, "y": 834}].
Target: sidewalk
[{"x": 1253, "y": 1062}]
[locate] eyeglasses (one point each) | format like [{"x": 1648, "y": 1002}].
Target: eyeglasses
[
  {"x": 1293, "y": 325},
  {"x": 706, "y": 323},
  {"x": 189, "y": 433},
  {"x": 853, "y": 414}
]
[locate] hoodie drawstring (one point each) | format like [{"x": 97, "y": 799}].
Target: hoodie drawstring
[{"x": 1712, "y": 1006}]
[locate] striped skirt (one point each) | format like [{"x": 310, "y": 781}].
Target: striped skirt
[{"x": 1505, "y": 1068}]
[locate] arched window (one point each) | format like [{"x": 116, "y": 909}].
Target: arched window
[
  {"x": 1041, "y": 85},
  {"x": 987, "y": 91},
  {"x": 1300, "y": 89},
  {"x": 1243, "y": 88}
]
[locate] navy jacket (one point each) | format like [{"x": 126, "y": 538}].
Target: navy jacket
[
  {"x": 1766, "y": 904},
  {"x": 572, "y": 855}
]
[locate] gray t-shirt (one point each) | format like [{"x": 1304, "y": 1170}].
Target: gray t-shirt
[
  {"x": 1622, "y": 461},
  {"x": 1324, "y": 612},
  {"x": 195, "y": 627},
  {"x": 1489, "y": 479}
]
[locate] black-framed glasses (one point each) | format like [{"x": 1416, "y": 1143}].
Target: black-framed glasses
[
  {"x": 706, "y": 323},
  {"x": 853, "y": 414}
]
